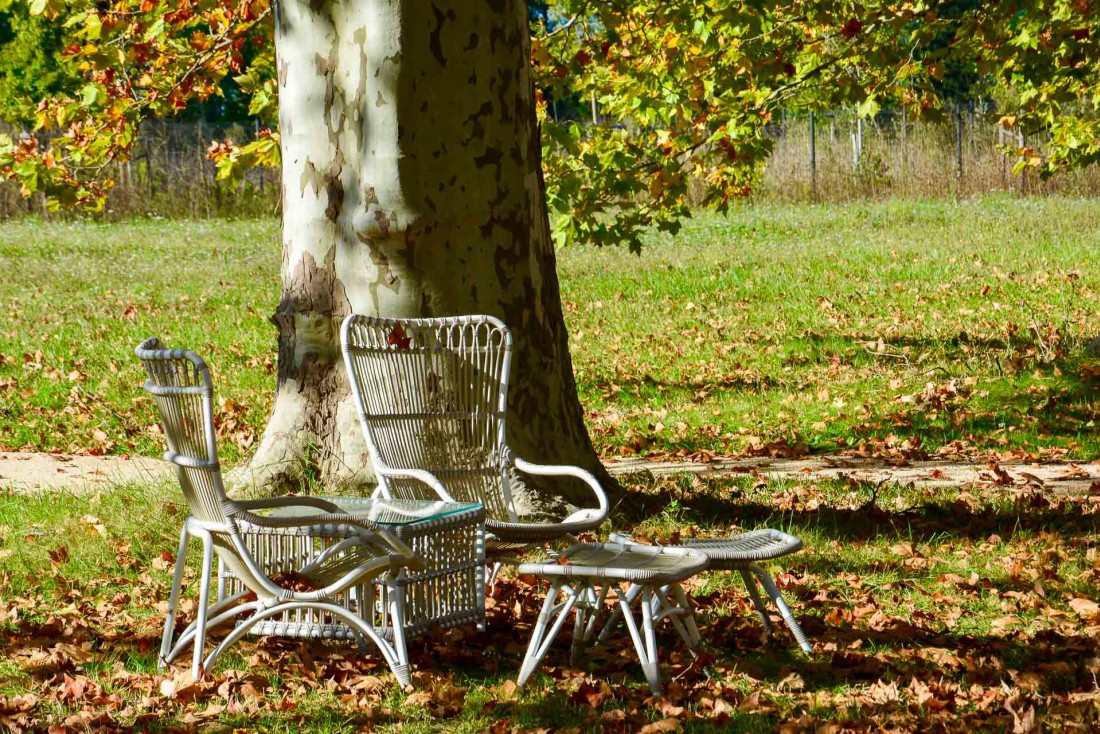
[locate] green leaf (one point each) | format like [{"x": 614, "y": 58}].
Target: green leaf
[
  {"x": 92, "y": 27},
  {"x": 868, "y": 107},
  {"x": 91, "y": 95}
]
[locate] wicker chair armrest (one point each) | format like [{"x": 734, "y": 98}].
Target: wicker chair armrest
[
  {"x": 564, "y": 470},
  {"x": 303, "y": 522},
  {"x": 378, "y": 567},
  {"x": 420, "y": 475},
  {"x": 311, "y": 524},
  {"x": 318, "y": 503}
]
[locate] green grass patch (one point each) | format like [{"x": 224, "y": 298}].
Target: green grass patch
[{"x": 892, "y": 325}]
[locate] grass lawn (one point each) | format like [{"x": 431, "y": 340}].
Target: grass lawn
[
  {"x": 886, "y": 328},
  {"x": 893, "y": 329}
]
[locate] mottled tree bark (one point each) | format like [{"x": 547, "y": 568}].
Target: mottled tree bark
[{"x": 412, "y": 186}]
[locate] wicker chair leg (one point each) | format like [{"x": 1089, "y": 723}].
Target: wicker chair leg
[
  {"x": 781, "y": 604},
  {"x": 173, "y": 600},
  {"x": 541, "y": 637},
  {"x": 397, "y": 622},
  {"x": 197, "y": 669},
  {"x": 580, "y": 617},
  {"x": 616, "y": 615},
  {"x": 491, "y": 582},
  {"x": 754, "y": 594}
]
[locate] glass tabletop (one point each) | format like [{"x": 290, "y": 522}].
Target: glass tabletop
[{"x": 393, "y": 512}]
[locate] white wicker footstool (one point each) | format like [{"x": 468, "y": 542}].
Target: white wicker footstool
[
  {"x": 740, "y": 553},
  {"x": 585, "y": 575}
]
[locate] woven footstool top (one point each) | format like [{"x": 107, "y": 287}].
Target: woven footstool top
[
  {"x": 647, "y": 564},
  {"x": 755, "y": 545}
]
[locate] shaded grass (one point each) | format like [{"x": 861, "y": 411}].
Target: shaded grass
[{"x": 870, "y": 323}]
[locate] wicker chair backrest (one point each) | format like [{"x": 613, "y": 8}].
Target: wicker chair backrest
[
  {"x": 181, "y": 386},
  {"x": 431, "y": 395}
]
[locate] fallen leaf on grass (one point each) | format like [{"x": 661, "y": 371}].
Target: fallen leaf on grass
[
  {"x": 660, "y": 726},
  {"x": 1084, "y": 607}
]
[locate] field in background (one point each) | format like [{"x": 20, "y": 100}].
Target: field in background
[
  {"x": 969, "y": 155},
  {"x": 892, "y": 328},
  {"x": 169, "y": 174}
]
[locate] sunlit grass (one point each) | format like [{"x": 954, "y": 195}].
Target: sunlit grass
[{"x": 828, "y": 326}]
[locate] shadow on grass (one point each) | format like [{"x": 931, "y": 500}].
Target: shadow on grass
[
  {"x": 1033, "y": 512},
  {"x": 1058, "y": 413}
]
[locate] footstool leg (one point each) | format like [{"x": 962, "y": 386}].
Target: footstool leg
[
  {"x": 596, "y": 613},
  {"x": 632, "y": 593},
  {"x": 784, "y": 610},
  {"x": 647, "y": 646},
  {"x": 540, "y": 637},
  {"x": 580, "y": 614},
  {"x": 754, "y": 594},
  {"x": 687, "y": 628}
]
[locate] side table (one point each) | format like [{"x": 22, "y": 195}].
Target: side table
[{"x": 450, "y": 590}]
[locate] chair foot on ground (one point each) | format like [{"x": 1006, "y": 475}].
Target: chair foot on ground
[{"x": 588, "y": 575}]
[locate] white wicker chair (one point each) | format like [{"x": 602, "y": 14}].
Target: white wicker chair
[
  {"x": 432, "y": 397},
  {"x": 327, "y": 583}
]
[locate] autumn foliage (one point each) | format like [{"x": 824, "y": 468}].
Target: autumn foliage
[{"x": 647, "y": 108}]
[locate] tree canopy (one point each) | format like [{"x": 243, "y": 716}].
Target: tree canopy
[{"x": 682, "y": 91}]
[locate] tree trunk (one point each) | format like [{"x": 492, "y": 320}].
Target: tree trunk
[{"x": 412, "y": 186}]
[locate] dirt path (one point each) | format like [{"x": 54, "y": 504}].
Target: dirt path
[
  {"x": 1069, "y": 478},
  {"x": 29, "y": 473}
]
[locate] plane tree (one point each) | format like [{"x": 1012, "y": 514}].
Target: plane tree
[{"x": 421, "y": 174}]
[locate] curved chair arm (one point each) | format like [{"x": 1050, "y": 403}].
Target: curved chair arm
[
  {"x": 564, "y": 470},
  {"x": 400, "y": 553},
  {"x": 396, "y": 545},
  {"x": 420, "y": 475},
  {"x": 318, "y": 503},
  {"x": 304, "y": 521}
]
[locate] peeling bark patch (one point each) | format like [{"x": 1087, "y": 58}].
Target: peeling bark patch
[
  {"x": 313, "y": 304},
  {"x": 309, "y": 179},
  {"x": 335, "y": 192},
  {"x": 379, "y": 258},
  {"x": 324, "y": 65},
  {"x": 491, "y": 157}
]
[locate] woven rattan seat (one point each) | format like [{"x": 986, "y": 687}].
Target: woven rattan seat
[
  {"x": 737, "y": 550},
  {"x": 740, "y": 553},
  {"x": 586, "y": 575}
]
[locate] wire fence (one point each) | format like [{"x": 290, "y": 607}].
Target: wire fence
[
  {"x": 825, "y": 156},
  {"x": 837, "y": 156},
  {"x": 168, "y": 174}
]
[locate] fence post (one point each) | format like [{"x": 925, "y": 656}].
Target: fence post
[
  {"x": 256, "y": 137},
  {"x": 958, "y": 143},
  {"x": 1021, "y": 139},
  {"x": 904, "y": 143},
  {"x": 857, "y": 143},
  {"x": 813, "y": 156}
]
